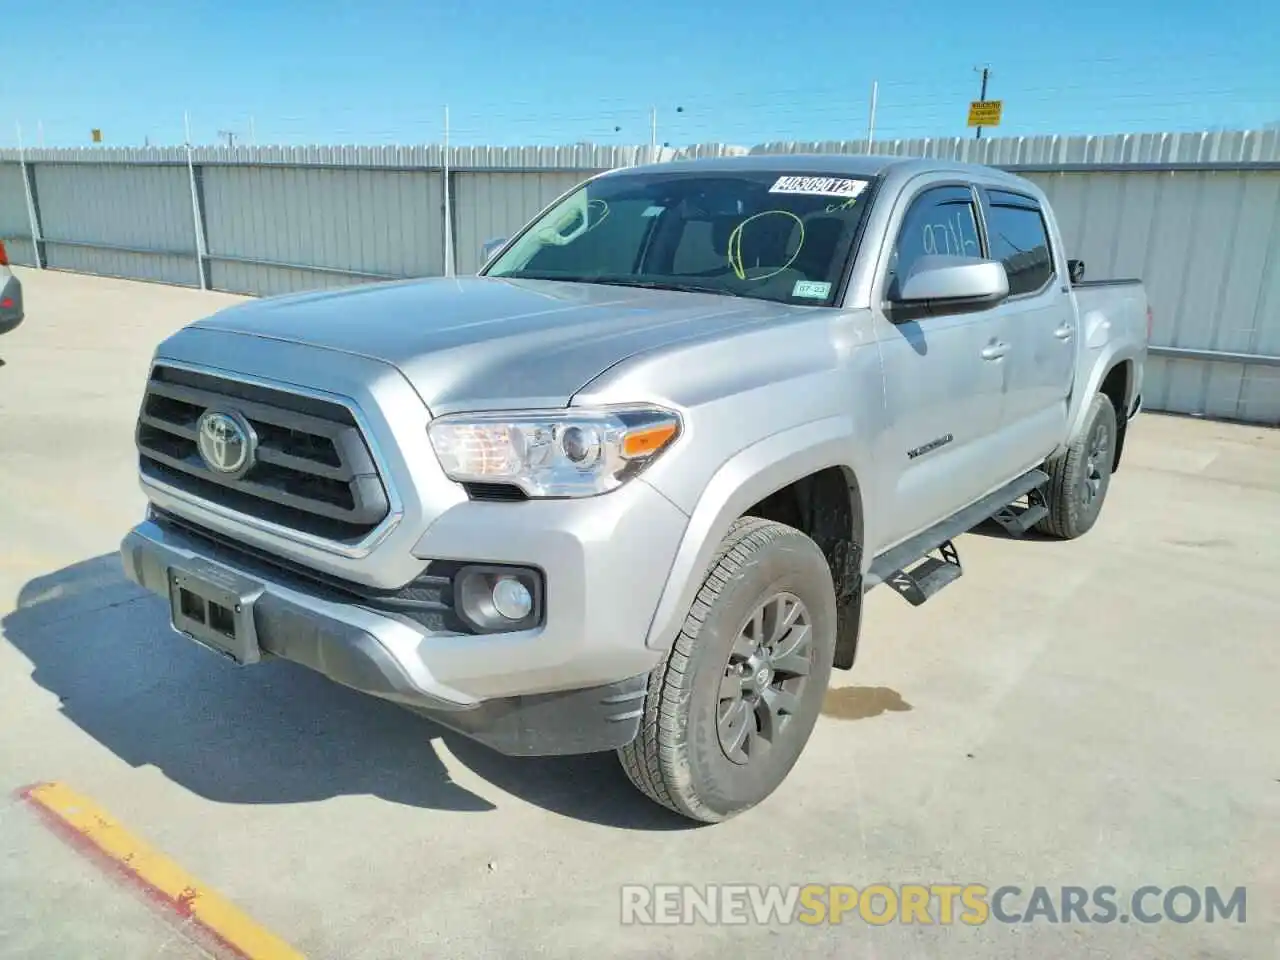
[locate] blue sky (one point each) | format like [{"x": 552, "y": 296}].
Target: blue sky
[{"x": 287, "y": 71}]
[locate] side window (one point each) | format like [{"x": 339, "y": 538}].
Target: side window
[
  {"x": 941, "y": 220},
  {"x": 1020, "y": 240}
]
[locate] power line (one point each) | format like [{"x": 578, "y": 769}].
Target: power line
[{"x": 904, "y": 107}]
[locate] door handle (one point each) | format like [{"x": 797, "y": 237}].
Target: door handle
[
  {"x": 994, "y": 351},
  {"x": 1064, "y": 332}
]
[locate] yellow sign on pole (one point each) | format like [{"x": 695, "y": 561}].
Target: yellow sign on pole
[
  {"x": 985, "y": 113},
  {"x": 96, "y": 135}
]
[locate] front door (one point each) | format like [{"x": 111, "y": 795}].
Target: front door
[{"x": 943, "y": 375}]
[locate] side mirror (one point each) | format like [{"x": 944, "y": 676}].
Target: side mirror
[
  {"x": 1075, "y": 270},
  {"x": 957, "y": 283},
  {"x": 490, "y": 247}
]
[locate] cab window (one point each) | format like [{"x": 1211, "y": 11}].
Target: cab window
[
  {"x": 1020, "y": 240},
  {"x": 941, "y": 220}
]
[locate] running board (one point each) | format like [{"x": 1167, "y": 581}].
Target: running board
[{"x": 916, "y": 575}]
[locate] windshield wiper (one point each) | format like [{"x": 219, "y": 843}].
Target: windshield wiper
[
  {"x": 617, "y": 281},
  {"x": 663, "y": 285}
]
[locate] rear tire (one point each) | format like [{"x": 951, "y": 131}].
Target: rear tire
[
  {"x": 731, "y": 706},
  {"x": 1080, "y": 477}
]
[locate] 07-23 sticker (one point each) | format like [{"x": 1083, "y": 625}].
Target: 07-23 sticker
[{"x": 812, "y": 289}]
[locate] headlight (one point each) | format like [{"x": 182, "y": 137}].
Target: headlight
[{"x": 556, "y": 453}]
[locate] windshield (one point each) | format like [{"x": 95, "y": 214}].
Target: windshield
[{"x": 767, "y": 235}]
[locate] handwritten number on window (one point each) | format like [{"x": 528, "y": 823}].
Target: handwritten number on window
[{"x": 951, "y": 236}]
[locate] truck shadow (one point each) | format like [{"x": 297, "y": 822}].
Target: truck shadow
[{"x": 274, "y": 733}]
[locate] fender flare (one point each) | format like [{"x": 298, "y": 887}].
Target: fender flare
[
  {"x": 1110, "y": 358},
  {"x": 747, "y": 477}
]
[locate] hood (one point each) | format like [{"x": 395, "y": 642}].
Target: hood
[{"x": 489, "y": 343}]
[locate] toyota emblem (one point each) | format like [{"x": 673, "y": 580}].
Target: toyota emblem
[{"x": 225, "y": 442}]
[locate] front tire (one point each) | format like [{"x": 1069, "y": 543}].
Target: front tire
[
  {"x": 1080, "y": 477},
  {"x": 731, "y": 706}
]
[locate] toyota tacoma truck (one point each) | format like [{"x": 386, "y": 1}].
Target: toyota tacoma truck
[{"x": 626, "y": 488}]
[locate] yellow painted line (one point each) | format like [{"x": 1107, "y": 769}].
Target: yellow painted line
[{"x": 158, "y": 873}]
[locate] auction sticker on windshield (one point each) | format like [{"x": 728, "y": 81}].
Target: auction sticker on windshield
[{"x": 820, "y": 186}]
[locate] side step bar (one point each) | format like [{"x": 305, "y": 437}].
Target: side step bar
[
  {"x": 1016, "y": 519},
  {"x": 917, "y": 576},
  {"x": 928, "y": 576}
]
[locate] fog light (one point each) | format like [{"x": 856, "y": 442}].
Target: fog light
[
  {"x": 493, "y": 599},
  {"x": 512, "y": 599}
]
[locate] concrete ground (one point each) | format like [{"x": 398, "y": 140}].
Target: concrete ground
[{"x": 1101, "y": 712}]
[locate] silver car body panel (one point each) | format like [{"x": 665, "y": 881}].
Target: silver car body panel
[
  {"x": 477, "y": 343},
  {"x": 11, "y": 294}
]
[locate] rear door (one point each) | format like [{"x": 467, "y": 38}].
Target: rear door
[
  {"x": 1039, "y": 326},
  {"x": 943, "y": 372}
]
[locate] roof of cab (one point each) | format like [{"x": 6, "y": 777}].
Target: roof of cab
[
  {"x": 856, "y": 166},
  {"x": 829, "y": 164}
]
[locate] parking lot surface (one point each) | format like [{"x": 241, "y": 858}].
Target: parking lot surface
[{"x": 1095, "y": 713}]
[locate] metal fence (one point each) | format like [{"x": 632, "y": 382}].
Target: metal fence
[{"x": 1197, "y": 216}]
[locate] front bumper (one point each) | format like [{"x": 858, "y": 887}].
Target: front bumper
[{"x": 574, "y": 684}]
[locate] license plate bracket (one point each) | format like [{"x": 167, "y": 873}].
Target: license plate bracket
[{"x": 214, "y": 607}]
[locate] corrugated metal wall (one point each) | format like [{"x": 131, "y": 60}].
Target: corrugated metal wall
[
  {"x": 487, "y": 206},
  {"x": 1207, "y": 246},
  {"x": 350, "y": 224},
  {"x": 1227, "y": 148},
  {"x": 15, "y": 224},
  {"x": 1197, "y": 216},
  {"x": 117, "y": 220}
]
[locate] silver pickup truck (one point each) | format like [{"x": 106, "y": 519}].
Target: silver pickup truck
[{"x": 625, "y": 490}]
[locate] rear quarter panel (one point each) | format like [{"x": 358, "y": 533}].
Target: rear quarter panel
[{"x": 1113, "y": 330}]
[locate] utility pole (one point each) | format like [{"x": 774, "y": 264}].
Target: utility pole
[
  {"x": 986, "y": 73},
  {"x": 197, "y": 220},
  {"x": 230, "y": 135},
  {"x": 653, "y": 133},
  {"x": 449, "y": 260},
  {"x": 871, "y": 124},
  {"x": 32, "y": 216}
]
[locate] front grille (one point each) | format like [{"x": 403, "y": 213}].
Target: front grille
[
  {"x": 312, "y": 472},
  {"x": 427, "y": 599}
]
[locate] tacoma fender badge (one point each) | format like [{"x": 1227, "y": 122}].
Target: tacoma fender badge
[{"x": 924, "y": 448}]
